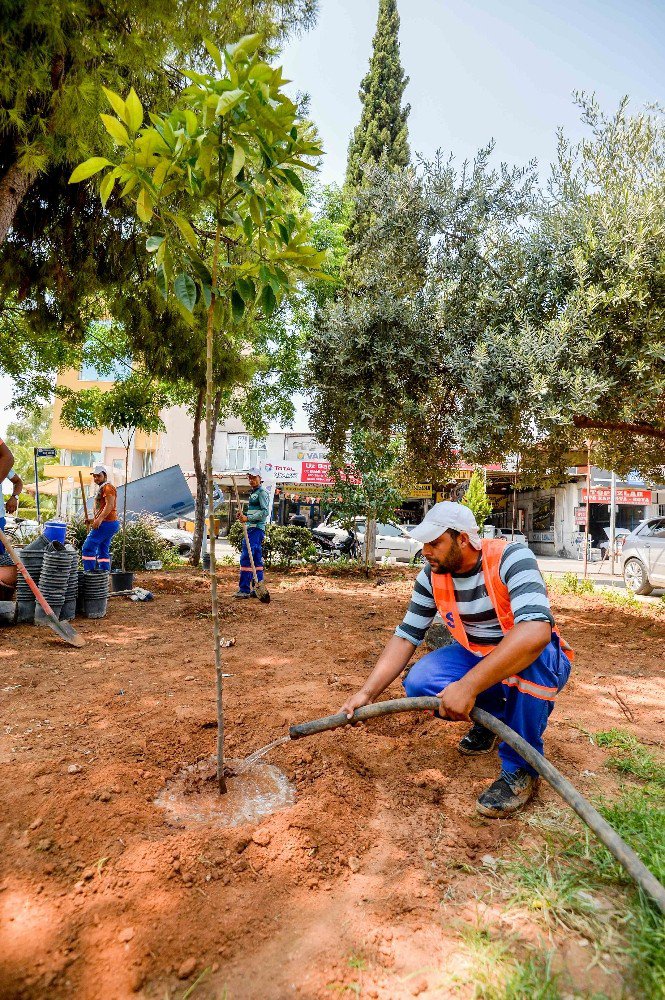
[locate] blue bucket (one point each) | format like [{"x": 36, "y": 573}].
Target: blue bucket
[{"x": 56, "y": 531}]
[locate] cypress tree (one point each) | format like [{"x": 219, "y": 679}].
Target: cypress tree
[{"x": 382, "y": 133}]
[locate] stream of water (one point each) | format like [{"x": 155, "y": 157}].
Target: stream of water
[{"x": 258, "y": 754}]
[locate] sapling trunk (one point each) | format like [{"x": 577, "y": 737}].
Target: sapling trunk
[
  {"x": 221, "y": 781},
  {"x": 124, "y": 507},
  {"x": 370, "y": 542}
]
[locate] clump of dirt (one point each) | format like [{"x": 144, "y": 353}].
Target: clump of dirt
[{"x": 368, "y": 879}]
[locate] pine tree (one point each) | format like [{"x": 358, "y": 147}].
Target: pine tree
[
  {"x": 477, "y": 500},
  {"x": 382, "y": 133}
]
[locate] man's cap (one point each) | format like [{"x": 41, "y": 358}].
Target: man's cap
[
  {"x": 446, "y": 515},
  {"x": 97, "y": 470},
  {"x": 255, "y": 471}
]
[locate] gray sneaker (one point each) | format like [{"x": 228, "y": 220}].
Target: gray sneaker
[
  {"x": 241, "y": 595},
  {"x": 508, "y": 794}
]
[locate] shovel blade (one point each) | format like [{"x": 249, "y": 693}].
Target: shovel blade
[
  {"x": 62, "y": 629},
  {"x": 262, "y": 592}
]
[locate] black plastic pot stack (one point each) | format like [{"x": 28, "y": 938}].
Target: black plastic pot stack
[
  {"x": 95, "y": 592},
  {"x": 71, "y": 593},
  {"x": 54, "y": 578},
  {"x": 32, "y": 559}
]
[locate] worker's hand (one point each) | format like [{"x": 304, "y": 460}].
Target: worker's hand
[
  {"x": 356, "y": 700},
  {"x": 456, "y": 702},
  {"x": 11, "y": 505},
  {"x": 96, "y": 523},
  {"x": 243, "y": 518},
  {"x": 88, "y": 521}
]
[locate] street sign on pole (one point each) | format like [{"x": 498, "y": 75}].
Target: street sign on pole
[{"x": 40, "y": 453}]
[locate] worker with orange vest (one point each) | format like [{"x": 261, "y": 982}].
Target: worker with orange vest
[{"x": 506, "y": 655}]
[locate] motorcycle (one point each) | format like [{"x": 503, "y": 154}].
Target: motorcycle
[{"x": 329, "y": 547}]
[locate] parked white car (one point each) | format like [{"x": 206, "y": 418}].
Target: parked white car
[
  {"x": 391, "y": 540},
  {"x": 514, "y": 536},
  {"x": 177, "y": 538}
]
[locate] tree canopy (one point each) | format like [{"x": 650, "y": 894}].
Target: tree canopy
[{"x": 507, "y": 319}]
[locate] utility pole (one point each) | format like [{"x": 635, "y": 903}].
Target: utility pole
[
  {"x": 613, "y": 520},
  {"x": 588, "y": 506}
]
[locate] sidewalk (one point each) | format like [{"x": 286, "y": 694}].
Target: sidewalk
[{"x": 597, "y": 572}]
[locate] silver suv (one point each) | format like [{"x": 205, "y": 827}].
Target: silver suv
[{"x": 643, "y": 556}]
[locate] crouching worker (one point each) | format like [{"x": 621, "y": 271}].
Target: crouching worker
[
  {"x": 506, "y": 656},
  {"x": 96, "y": 549}
]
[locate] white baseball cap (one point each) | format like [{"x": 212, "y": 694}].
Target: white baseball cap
[
  {"x": 255, "y": 471},
  {"x": 446, "y": 515},
  {"x": 97, "y": 470}
]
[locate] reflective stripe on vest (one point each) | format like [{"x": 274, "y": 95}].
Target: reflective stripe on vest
[{"x": 443, "y": 590}]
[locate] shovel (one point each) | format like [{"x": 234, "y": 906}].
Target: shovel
[
  {"x": 63, "y": 629},
  {"x": 260, "y": 588}
]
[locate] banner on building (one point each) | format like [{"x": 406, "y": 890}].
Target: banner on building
[
  {"x": 632, "y": 497},
  {"x": 304, "y": 473}
]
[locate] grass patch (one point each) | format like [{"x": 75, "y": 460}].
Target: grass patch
[
  {"x": 634, "y": 758},
  {"x": 564, "y": 883},
  {"x": 498, "y": 974}
]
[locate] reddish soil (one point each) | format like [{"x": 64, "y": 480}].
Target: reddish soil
[{"x": 366, "y": 884}]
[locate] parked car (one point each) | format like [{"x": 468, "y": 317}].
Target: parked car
[
  {"x": 177, "y": 538},
  {"x": 514, "y": 536},
  {"x": 391, "y": 540},
  {"x": 643, "y": 556}
]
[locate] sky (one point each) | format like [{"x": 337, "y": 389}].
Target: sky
[{"x": 479, "y": 70}]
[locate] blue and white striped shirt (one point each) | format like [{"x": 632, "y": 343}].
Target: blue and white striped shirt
[{"x": 528, "y": 599}]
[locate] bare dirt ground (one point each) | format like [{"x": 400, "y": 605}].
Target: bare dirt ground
[{"x": 367, "y": 884}]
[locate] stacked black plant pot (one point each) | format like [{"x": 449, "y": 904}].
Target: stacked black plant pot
[
  {"x": 71, "y": 593},
  {"x": 54, "y": 578},
  {"x": 93, "y": 593},
  {"x": 32, "y": 558}
]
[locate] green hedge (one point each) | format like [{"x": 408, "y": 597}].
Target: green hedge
[{"x": 283, "y": 544}]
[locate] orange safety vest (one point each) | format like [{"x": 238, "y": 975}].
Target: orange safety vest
[{"x": 446, "y": 602}]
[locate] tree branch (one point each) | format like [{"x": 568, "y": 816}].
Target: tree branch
[{"x": 644, "y": 430}]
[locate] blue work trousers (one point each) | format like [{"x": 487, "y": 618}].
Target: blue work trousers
[
  {"x": 256, "y": 536},
  {"x": 523, "y": 702},
  {"x": 96, "y": 549}
]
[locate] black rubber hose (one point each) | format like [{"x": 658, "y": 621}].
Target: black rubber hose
[{"x": 605, "y": 833}]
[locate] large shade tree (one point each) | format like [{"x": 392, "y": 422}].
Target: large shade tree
[
  {"x": 66, "y": 259},
  {"x": 516, "y": 321}
]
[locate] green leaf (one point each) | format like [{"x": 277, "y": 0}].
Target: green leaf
[
  {"x": 161, "y": 283},
  {"x": 248, "y": 228},
  {"x": 134, "y": 111},
  {"x": 187, "y": 232},
  {"x": 154, "y": 243},
  {"x": 228, "y": 100},
  {"x": 191, "y": 121},
  {"x": 144, "y": 205},
  {"x": 237, "y": 305},
  {"x": 116, "y": 130},
  {"x": 88, "y": 168},
  {"x": 214, "y": 53},
  {"x": 239, "y": 158},
  {"x": 117, "y": 103},
  {"x": 268, "y": 300},
  {"x": 185, "y": 291},
  {"x": 206, "y": 291},
  {"x": 262, "y": 72},
  {"x": 247, "y": 45},
  {"x": 246, "y": 288},
  {"x": 106, "y": 187},
  {"x": 293, "y": 179}
]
